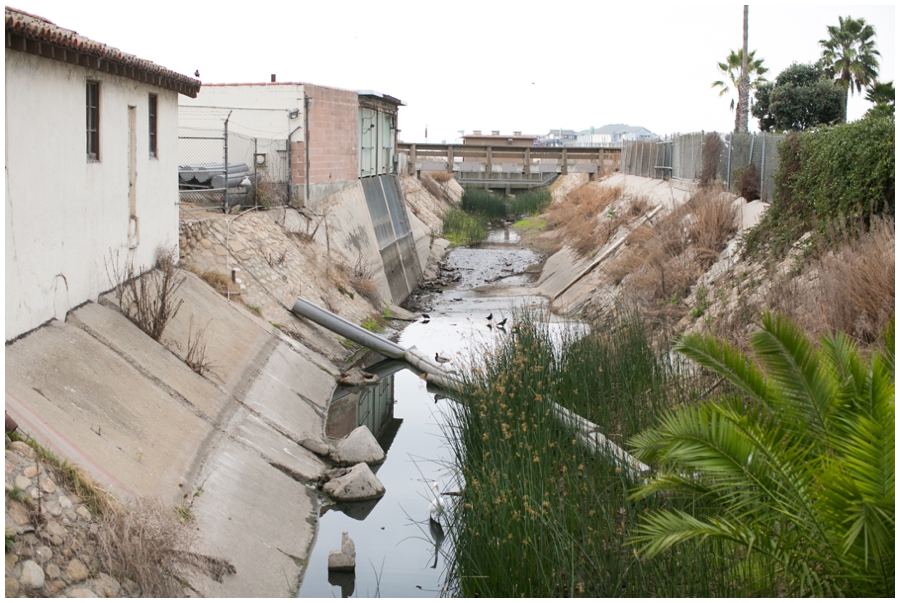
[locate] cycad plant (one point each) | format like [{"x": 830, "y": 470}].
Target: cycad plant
[{"x": 798, "y": 459}]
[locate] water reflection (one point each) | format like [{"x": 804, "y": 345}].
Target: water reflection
[{"x": 398, "y": 552}]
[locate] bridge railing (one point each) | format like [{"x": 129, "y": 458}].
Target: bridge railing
[{"x": 507, "y": 159}]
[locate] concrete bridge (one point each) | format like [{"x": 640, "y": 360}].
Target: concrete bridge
[{"x": 506, "y": 167}]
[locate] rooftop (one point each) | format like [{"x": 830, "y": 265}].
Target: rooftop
[{"x": 36, "y": 35}]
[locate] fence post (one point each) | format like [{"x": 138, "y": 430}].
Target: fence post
[
  {"x": 730, "y": 147},
  {"x": 226, "y": 161},
  {"x": 762, "y": 169}
]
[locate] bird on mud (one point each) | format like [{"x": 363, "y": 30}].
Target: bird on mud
[
  {"x": 502, "y": 323},
  {"x": 440, "y": 360},
  {"x": 490, "y": 316}
]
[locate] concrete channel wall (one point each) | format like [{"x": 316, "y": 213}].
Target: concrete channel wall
[{"x": 243, "y": 443}]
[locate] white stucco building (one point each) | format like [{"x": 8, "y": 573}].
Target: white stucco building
[
  {"x": 613, "y": 135},
  {"x": 91, "y": 166}
]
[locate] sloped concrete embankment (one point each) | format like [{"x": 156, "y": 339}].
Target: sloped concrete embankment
[
  {"x": 573, "y": 282},
  {"x": 240, "y": 444},
  {"x": 144, "y": 424}
]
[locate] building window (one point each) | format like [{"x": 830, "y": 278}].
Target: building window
[
  {"x": 93, "y": 121},
  {"x": 153, "y": 125}
]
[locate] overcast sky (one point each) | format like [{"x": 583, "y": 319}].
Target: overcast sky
[{"x": 488, "y": 65}]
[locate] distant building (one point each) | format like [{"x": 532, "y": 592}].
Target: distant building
[
  {"x": 613, "y": 135},
  {"x": 91, "y": 167},
  {"x": 516, "y": 139},
  {"x": 318, "y": 139},
  {"x": 559, "y": 137}
]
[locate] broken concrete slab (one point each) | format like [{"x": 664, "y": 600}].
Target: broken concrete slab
[
  {"x": 343, "y": 560},
  {"x": 289, "y": 393},
  {"x": 360, "y": 446},
  {"x": 355, "y": 483},
  {"x": 256, "y": 517},
  {"x": 279, "y": 451}
]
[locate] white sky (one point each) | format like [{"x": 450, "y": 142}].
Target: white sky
[{"x": 488, "y": 65}]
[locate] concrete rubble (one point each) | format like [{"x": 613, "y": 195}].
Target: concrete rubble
[
  {"x": 343, "y": 560},
  {"x": 360, "y": 446},
  {"x": 352, "y": 484}
]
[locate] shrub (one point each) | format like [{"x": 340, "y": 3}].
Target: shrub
[
  {"x": 854, "y": 292},
  {"x": 845, "y": 170},
  {"x": 441, "y": 177},
  {"x": 712, "y": 150},
  {"x": 218, "y": 281},
  {"x": 663, "y": 262},
  {"x": 577, "y": 217},
  {"x": 747, "y": 180},
  {"x": 145, "y": 543},
  {"x": 148, "y": 300}
]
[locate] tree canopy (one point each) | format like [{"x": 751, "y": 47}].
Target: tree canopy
[{"x": 801, "y": 97}]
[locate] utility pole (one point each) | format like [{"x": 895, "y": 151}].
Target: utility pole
[{"x": 744, "y": 93}]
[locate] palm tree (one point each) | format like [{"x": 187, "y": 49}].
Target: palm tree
[
  {"x": 731, "y": 68},
  {"x": 798, "y": 460},
  {"x": 882, "y": 95},
  {"x": 849, "y": 55}
]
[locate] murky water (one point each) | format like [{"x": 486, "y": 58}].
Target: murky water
[{"x": 398, "y": 552}]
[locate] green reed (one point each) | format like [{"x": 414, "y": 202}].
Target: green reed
[
  {"x": 480, "y": 202},
  {"x": 462, "y": 229},
  {"x": 541, "y": 515}
]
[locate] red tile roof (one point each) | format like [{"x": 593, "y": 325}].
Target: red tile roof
[{"x": 36, "y": 35}]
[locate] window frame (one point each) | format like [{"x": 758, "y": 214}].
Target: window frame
[
  {"x": 92, "y": 119},
  {"x": 153, "y": 122}
]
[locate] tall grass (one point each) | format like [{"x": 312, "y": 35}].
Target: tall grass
[
  {"x": 462, "y": 229},
  {"x": 480, "y": 202},
  {"x": 541, "y": 516}
]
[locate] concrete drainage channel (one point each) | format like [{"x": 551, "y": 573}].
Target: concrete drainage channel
[{"x": 399, "y": 552}]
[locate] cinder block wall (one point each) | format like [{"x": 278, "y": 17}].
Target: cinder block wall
[{"x": 333, "y": 141}]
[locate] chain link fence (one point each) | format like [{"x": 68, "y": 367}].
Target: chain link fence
[
  {"x": 219, "y": 169},
  {"x": 680, "y": 156}
]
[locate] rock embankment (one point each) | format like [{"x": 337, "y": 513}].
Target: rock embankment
[{"x": 50, "y": 546}]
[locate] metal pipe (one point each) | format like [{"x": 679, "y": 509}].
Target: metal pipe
[
  {"x": 588, "y": 433},
  {"x": 226, "y": 161},
  {"x": 347, "y": 329},
  {"x": 307, "y": 103}
]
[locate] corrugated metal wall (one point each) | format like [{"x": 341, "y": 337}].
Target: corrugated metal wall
[{"x": 387, "y": 211}]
